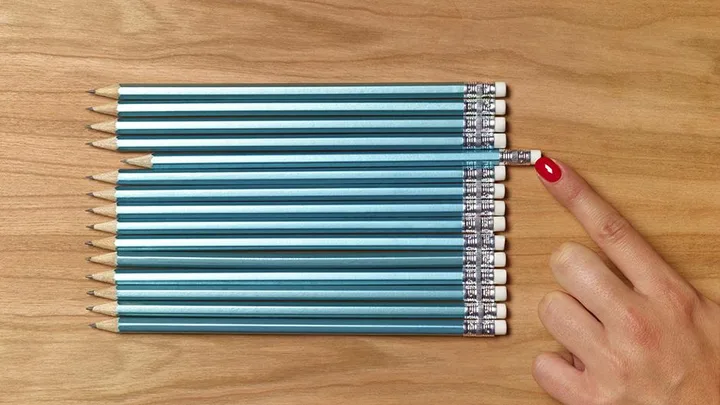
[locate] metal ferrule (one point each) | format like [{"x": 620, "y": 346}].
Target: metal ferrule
[
  {"x": 480, "y": 90},
  {"x": 478, "y": 123},
  {"x": 473, "y": 189},
  {"x": 484, "y": 310},
  {"x": 482, "y": 106},
  {"x": 484, "y": 259},
  {"x": 478, "y": 292},
  {"x": 483, "y": 226},
  {"x": 515, "y": 157},
  {"x": 476, "y": 327},
  {"x": 481, "y": 140},
  {"x": 482, "y": 276},
  {"x": 481, "y": 207},
  {"x": 482, "y": 174}
]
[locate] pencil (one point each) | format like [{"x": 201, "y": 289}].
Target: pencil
[
  {"x": 297, "y": 277},
  {"x": 469, "y": 327},
  {"x": 291, "y": 178},
  {"x": 303, "y": 260},
  {"x": 488, "y": 310},
  {"x": 295, "y": 92},
  {"x": 368, "y": 109},
  {"x": 282, "y": 243},
  {"x": 221, "y": 292},
  {"x": 371, "y": 142},
  {"x": 229, "y": 212},
  {"x": 170, "y": 195}
]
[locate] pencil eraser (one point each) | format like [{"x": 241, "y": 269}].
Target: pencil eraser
[
  {"x": 499, "y": 208},
  {"x": 499, "y": 191},
  {"x": 500, "y": 259},
  {"x": 500, "y": 89},
  {"x": 535, "y": 155},
  {"x": 500, "y": 293},
  {"x": 499, "y": 224},
  {"x": 500, "y": 107},
  {"x": 500, "y": 173},
  {"x": 500, "y": 141},
  {"x": 499, "y": 277},
  {"x": 499, "y": 242},
  {"x": 501, "y": 311},
  {"x": 500, "y": 328},
  {"x": 500, "y": 124}
]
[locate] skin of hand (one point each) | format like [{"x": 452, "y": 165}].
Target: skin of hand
[{"x": 655, "y": 342}]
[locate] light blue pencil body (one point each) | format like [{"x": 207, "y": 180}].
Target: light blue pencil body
[
  {"x": 291, "y": 326},
  {"x": 299, "y": 260},
  {"x": 221, "y": 292},
  {"x": 371, "y": 142},
  {"x": 306, "y": 92},
  {"x": 294, "y": 161},
  {"x": 160, "y": 195},
  {"x": 288, "y": 309},
  {"x": 290, "y": 178}
]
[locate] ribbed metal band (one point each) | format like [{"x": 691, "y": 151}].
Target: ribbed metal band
[
  {"x": 482, "y": 207},
  {"x": 483, "y": 226},
  {"x": 476, "y": 327},
  {"x": 482, "y": 276},
  {"x": 478, "y": 140},
  {"x": 478, "y": 123},
  {"x": 481, "y": 173},
  {"x": 475, "y": 89},
  {"x": 475, "y": 189},
  {"x": 483, "y": 310},
  {"x": 481, "y": 258},
  {"x": 482, "y": 106},
  {"x": 516, "y": 157},
  {"x": 480, "y": 292}
]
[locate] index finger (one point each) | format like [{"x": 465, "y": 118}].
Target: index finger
[{"x": 630, "y": 252}]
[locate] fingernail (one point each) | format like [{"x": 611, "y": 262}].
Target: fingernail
[{"x": 548, "y": 169}]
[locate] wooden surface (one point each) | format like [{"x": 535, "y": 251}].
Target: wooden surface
[{"x": 626, "y": 91}]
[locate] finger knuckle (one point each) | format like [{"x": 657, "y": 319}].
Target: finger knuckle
[
  {"x": 613, "y": 228},
  {"x": 641, "y": 329},
  {"x": 548, "y": 307},
  {"x": 564, "y": 257},
  {"x": 683, "y": 300}
]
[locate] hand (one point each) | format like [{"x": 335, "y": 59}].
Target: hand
[{"x": 655, "y": 342}]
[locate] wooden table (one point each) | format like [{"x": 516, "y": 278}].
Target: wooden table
[{"x": 627, "y": 92}]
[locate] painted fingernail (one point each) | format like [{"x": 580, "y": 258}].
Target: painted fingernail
[{"x": 548, "y": 169}]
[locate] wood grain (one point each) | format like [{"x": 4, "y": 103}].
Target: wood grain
[{"x": 626, "y": 91}]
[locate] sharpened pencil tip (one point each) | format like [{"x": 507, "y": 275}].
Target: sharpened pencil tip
[
  {"x": 89, "y": 143},
  {"x": 89, "y": 227},
  {"x": 89, "y": 308},
  {"x": 89, "y": 277},
  {"x": 88, "y": 127},
  {"x": 89, "y": 178},
  {"x": 91, "y": 292},
  {"x": 90, "y": 210},
  {"x": 89, "y": 258},
  {"x": 92, "y": 91},
  {"x": 92, "y": 325},
  {"x": 90, "y": 109},
  {"x": 124, "y": 161},
  {"x": 89, "y": 243}
]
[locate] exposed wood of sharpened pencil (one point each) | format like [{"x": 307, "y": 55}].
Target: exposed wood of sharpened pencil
[
  {"x": 107, "y": 143},
  {"x": 110, "y": 325},
  {"x": 107, "y": 177},
  {"x": 108, "y": 259},
  {"x": 106, "y": 243},
  {"x": 109, "y": 227},
  {"x": 109, "y": 308},
  {"x": 107, "y": 126},
  {"x": 109, "y": 210},
  {"x": 109, "y": 293},
  {"x": 105, "y": 195},
  {"x": 108, "y": 109},
  {"x": 104, "y": 277},
  {"x": 141, "y": 161},
  {"x": 109, "y": 91}
]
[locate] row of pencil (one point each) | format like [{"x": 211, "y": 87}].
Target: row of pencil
[{"x": 334, "y": 209}]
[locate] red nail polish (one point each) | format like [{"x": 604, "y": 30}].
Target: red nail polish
[{"x": 548, "y": 169}]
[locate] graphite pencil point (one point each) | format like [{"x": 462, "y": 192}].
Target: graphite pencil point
[
  {"x": 89, "y": 143},
  {"x": 89, "y": 276},
  {"x": 90, "y": 109},
  {"x": 89, "y": 308},
  {"x": 90, "y": 210},
  {"x": 89, "y": 227},
  {"x": 88, "y": 258},
  {"x": 89, "y": 243},
  {"x": 88, "y": 127},
  {"x": 91, "y": 91},
  {"x": 92, "y": 325},
  {"x": 91, "y": 292}
]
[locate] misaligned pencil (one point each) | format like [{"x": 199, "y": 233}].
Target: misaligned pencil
[
  {"x": 301, "y": 260},
  {"x": 294, "y": 276},
  {"x": 468, "y": 327},
  {"x": 255, "y": 227},
  {"x": 297, "y": 309},
  {"x": 293, "y": 161},
  {"x": 294, "y": 92},
  {"x": 415, "y": 242},
  {"x": 371, "y": 142},
  {"x": 129, "y": 293},
  {"x": 169, "y": 194},
  {"x": 368, "y": 109}
]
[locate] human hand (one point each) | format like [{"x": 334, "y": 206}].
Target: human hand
[{"x": 655, "y": 342}]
